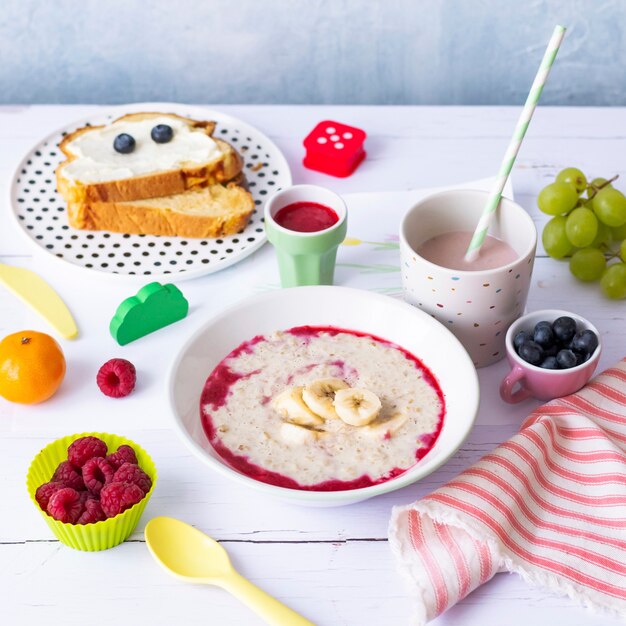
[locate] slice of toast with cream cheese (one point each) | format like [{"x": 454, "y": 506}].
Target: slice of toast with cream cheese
[{"x": 102, "y": 168}]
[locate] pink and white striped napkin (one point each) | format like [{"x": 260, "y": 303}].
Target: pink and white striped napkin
[{"x": 549, "y": 504}]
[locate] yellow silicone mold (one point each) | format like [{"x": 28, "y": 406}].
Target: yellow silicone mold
[{"x": 101, "y": 535}]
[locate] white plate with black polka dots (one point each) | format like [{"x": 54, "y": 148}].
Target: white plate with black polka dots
[{"x": 40, "y": 210}]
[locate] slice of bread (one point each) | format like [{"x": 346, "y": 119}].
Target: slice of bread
[
  {"x": 95, "y": 172},
  {"x": 213, "y": 211}
]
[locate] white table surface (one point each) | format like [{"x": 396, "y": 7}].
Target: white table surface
[{"x": 332, "y": 565}]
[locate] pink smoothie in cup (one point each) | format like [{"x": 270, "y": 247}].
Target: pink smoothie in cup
[
  {"x": 448, "y": 250},
  {"x": 479, "y": 301}
]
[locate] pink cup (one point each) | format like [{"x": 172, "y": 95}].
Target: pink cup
[{"x": 535, "y": 381}]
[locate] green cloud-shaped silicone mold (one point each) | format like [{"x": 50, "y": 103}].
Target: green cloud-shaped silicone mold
[{"x": 154, "y": 307}]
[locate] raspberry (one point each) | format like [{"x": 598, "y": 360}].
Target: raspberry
[
  {"x": 87, "y": 495},
  {"x": 83, "y": 449},
  {"x": 124, "y": 454},
  {"x": 44, "y": 493},
  {"x": 68, "y": 475},
  {"x": 93, "y": 513},
  {"x": 65, "y": 505},
  {"x": 116, "y": 378},
  {"x": 115, "y": 498},
  {"x": 97, "y": 473},
  {"x": 130, "y": 473}
]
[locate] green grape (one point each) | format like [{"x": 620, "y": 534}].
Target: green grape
[
  {"x": 619, "y": 232},
  {"x": 613, "y": 282},
  {"x": 622, "y": 250},
  {"x": 603, "y": 238},
  {"x": 587, "y": 264},
  {"x": 554, "y": 239},
  {"x": 610, "y": 206},
  {"x": 572, "y": 176},
  {"x": 581, "y": 227},
  {"x": 594, "y": 184},
  {"x": 557, "y": 198}
]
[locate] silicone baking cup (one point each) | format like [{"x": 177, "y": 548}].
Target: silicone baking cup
[{"x": 101, "y": 535}]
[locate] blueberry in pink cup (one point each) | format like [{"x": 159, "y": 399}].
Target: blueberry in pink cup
[{"x": 552, "y": 353}]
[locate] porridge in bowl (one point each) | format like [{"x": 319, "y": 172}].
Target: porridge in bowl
[{"x": 322, "y": 409}]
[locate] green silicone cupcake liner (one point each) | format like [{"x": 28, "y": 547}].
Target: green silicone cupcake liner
[{"x": 101, "y": 535}]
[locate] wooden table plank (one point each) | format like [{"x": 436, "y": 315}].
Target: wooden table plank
[{"x": 333, "y": 584}]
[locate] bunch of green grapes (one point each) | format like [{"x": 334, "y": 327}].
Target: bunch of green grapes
[{"x": 589, "y": 227}]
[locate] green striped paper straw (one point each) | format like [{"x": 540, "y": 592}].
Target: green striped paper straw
[{"x": 516, "y": 141}]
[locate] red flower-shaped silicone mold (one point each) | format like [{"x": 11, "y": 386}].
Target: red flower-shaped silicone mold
[{"x": 334, "y": 148}]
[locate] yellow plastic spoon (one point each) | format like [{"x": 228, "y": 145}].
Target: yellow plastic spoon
[
  {"x": 39, "y": 295},
  {"x": 189, "y": 554}
]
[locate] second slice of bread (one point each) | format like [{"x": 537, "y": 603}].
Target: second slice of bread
[{"x": 214, "y": 211}]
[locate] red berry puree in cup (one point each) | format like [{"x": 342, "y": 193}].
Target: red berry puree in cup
[
  {"x": 306, "y": 217},
  {"x": 244, "y": 383}
]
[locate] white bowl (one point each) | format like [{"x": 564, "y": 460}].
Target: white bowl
[{"x": 352, "y": 309}]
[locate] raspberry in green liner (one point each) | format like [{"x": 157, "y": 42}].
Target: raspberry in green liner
[{"x": 90, "y": 532}]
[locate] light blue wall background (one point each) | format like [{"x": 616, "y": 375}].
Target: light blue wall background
[{"x": 309, "y": 51}]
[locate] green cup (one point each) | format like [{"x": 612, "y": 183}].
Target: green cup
[{"x": 306, "y": 258}]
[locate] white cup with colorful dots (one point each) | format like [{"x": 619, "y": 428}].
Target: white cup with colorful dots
[{"x": 477, "y": 305}]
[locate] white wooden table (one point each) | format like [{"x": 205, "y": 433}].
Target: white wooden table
[{"x": 333, "y": 565}]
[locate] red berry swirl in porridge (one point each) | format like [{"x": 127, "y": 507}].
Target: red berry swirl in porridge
[{"x": 321, "y": 409}]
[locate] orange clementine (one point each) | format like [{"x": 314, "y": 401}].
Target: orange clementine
[{"x": 32, "y": 367}]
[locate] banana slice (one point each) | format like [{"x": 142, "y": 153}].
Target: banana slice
[
  {"x": 320, "y": 394},
  {"x": 387, "y": 428},
  {"x": 289, "y": 404},
  {"x": 357, "y": 407},
  {"x": 293, "y": 434}
]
